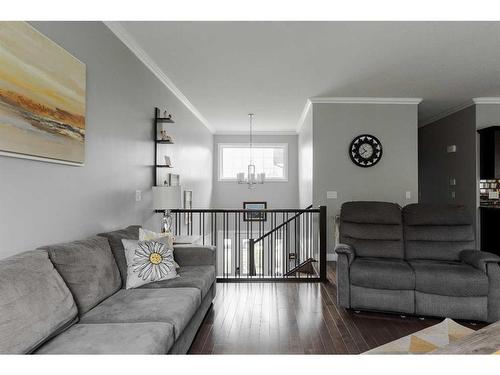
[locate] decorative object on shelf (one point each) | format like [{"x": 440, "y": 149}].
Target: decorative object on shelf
[
  {"x": 167, "y": 162},
  {"x": 166, "y": 198},
  {"x": 167, "y": 116},
  {"x": 165, "y": 137},
  {"x": 365, "y": 150},
  {"x": 42, "y": 96},
  {"x": 188, "y": 204},
  {"x": 252, "y": 178},
  {"x": 173, "y": 179},
  {"x": 255, "y": 216}
]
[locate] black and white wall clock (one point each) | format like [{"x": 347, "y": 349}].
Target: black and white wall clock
[{"x": 365, "y": 150}]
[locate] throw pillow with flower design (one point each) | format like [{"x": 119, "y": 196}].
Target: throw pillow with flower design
[{"x": 148, "y": 262}]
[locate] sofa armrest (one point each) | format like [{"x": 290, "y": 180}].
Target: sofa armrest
[
  {"x": 194, "y": 255},
  {"x": 478, "y": 259},
  {"x": 348, "y": 250}
]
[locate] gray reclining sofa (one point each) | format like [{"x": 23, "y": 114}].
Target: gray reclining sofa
[
  {"x": 417, "y": 260},
  {"x": 70, "y": 299}
]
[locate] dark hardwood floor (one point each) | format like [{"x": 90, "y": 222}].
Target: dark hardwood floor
[{"x": 295, "y": 318}]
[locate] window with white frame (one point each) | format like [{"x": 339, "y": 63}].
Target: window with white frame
[{"x": 271, "y": 159}]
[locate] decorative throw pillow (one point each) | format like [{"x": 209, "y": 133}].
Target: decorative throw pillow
[
  {"x": 148, "y": 235},
  {"x": 148, "y": 262},
  {"x": 166, "y": 238}
]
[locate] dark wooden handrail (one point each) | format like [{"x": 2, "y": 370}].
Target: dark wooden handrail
[
  {"x": 225, "y": 210},
  {"x": 299, "y": 212}
]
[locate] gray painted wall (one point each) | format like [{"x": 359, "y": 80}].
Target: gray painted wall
[
  {"x": 276, "y": 194},
  {"x": 43, "y": 203},
  {"x": 334, "y": 126},
  {"x": 305, "y": 145},
  {"x": 437, "y": 167}
]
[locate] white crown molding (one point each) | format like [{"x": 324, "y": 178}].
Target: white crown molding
[
  {"x": 303, "y": 115},
  {"x": 365, "y": 100},
  {"x": 445, "y": 113},
  {"x": 261, "y": 132},
  {"x": 131, "y": 43},
  {"x": 486, "y": 100}
]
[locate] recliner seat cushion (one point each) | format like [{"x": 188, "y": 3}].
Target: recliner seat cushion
[
  {"x": 200, "y": 277},
  {"x": 88, "y": 269},
  {"x": 373, "y": 229},
  {"x": 35, "y": 303},
  {"x": 112, "y": 338},
  {"x": 115, "y": 242},
  {"x": 175, "y": 306},
  {"x": 449, "y": 279},
  {"x": 393, "y": 274},
  {"x": 437, "y": 232}
]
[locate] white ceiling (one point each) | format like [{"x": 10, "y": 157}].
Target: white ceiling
[{"x": 228, "y": 69}]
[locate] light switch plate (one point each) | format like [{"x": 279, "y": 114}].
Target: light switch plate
[
  {"x": 453, "y": 182},
  {"x": 408, "y": 195},
  {"x": 451, "y": 148},
  {"x": 331, "y": 195},
  {"x": 453, "y": 195},
  {"x": 138, "y": 195}
]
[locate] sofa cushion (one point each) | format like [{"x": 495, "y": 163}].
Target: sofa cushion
[
  {"x": 115, "y": 242},
  {"x": 112, "y": 338},
  {"x": 449, "y": 279},
  {"x": 88, "y": 268},
  {"x": 433, "y": 214},
  {"x": 201, "y": 277},
  {"x": 174, "y": 306},
  {"x": 373, "y": 229},
  {"x": 374, "y": 273},
  {"x": 437, "y": 232},
  {"x": 35, "y": 303}
]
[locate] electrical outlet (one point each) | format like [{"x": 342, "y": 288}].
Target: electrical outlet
[
  {"x": 408, "y": 195},
  {"x": 453, "y": 195},
  {"x": 138, "y": 195},
  {"x": 331, "y": 195}
]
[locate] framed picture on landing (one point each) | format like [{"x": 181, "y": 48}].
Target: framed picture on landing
[{"x": 257, "y": 215}]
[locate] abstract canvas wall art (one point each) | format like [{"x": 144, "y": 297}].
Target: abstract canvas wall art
[{"x": 42, "y": 97}]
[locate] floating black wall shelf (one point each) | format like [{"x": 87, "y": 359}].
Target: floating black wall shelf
[{"x": 159, "y": 120}]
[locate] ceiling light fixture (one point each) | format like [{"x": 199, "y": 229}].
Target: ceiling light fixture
[{"x": 251, "y": 178}]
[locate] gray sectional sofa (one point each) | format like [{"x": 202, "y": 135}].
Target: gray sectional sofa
[
  {"x": 70, "y": 299},
  {"x": 416, "y": 260}
]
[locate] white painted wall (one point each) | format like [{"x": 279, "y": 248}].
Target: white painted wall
[{"x": 43, "y": 203}]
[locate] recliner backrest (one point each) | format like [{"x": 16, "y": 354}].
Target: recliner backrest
[
  {"x": 373, "y": 229},
  {"x": 437, "y": 232}
]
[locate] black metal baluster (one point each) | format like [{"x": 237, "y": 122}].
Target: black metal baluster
[{"x": 202, "y": 215}]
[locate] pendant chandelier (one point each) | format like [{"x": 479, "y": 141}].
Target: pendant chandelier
[{"x": 251, "y": 178}]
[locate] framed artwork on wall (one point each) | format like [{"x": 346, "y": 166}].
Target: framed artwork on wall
[
  {"x": 174, "y": 179},
  {"x": 42, "y": 97},
  {"x": 255, "y": 216}
]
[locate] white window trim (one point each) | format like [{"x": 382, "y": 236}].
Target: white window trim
[{"x": 284, "y": 146}]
